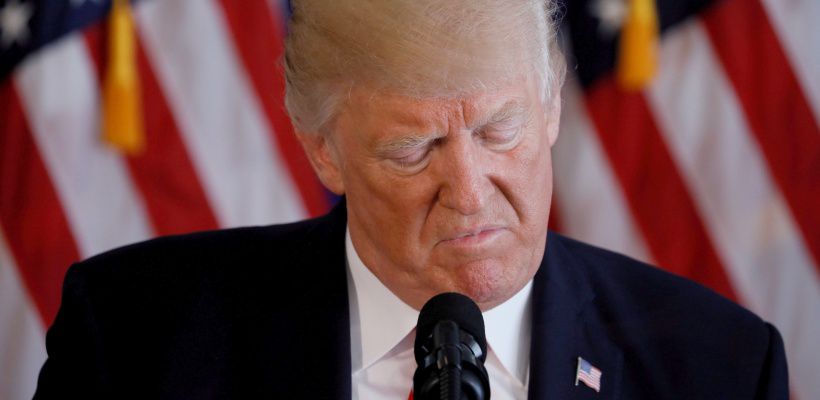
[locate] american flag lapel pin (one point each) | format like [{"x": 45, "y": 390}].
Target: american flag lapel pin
[{"x": 588, "y": 374}]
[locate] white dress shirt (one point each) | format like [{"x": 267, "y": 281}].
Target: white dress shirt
[{"x": 382, "y": 332}]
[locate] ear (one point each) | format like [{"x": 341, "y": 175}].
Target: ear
[
  {"x": 324, "y": 158},
  {"x": 554, "y": 117}
]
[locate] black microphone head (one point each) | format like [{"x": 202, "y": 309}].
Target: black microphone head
[{"x": 454, "y": 307}]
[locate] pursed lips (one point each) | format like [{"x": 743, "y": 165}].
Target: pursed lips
[{"x": 472, "y": 235}]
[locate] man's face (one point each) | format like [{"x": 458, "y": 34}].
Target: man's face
[{"x": 444, "y": 194}]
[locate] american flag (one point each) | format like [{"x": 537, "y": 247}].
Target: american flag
[
  {"x": 588, "y": 374},
  {"x": 712, "y": 171}
]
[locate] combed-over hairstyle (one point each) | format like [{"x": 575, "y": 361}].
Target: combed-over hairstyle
[{"x": 421, "y": 48}]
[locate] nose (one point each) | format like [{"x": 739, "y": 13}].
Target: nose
[{"x": 465, "y": 186}]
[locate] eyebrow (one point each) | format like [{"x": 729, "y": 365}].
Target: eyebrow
[{"x": 405, "y": 142}]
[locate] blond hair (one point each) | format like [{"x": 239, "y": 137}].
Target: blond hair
[{"x": 420, "y": 48}]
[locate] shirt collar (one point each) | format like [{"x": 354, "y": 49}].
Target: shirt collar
[
  {"x": 385, "y": 320},
  {"x": 507, "y": 327}
]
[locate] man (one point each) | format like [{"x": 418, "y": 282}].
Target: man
[{"x": 435, "y": 121}]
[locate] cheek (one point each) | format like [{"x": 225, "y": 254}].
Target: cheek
[
  {"x": 404, "y": 199},
  {"x": 392, "y": 209},
  {"x": 527, "y": 181}
]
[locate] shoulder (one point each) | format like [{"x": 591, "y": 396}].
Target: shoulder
[
  {"x": 692, "y": 337},
  {"x": 207, "y": 246},
  {"x": 207, "y": 263},
  {"x": 624, "y": 285}
]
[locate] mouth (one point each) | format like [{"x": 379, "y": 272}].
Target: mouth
[{"x": 474, "y": 236}]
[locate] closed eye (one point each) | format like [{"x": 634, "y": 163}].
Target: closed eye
[
  {"x": 407, "y": 154},
  {"x": 501, "y": 136},
  {"x": 411, "y": 160}
]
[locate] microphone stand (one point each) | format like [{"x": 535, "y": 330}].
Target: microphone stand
[{"x": 448, "y": 360}]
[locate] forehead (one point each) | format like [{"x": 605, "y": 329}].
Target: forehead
[{"x": 386, "y": 109}]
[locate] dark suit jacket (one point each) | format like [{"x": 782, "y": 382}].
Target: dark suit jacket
[{"x": 262, "y": 313}]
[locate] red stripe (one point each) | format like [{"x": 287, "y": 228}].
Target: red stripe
[
  {"x": 774, "y": 104},
  {"x": 163, "y": 173},
  {"x": 31, "y": 216},
  {"x": 258, "y": 34},
  {"x": 656, "y": 193}
]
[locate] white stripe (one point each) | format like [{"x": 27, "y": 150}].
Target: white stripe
[
  {"x": 60, "y": 95},
  {"x": 590, "y": 202},
  {"x": 795, "y": 22},
  {"x": 22, "y": 339},
  {"x": 220, "y": 118},
  {"x": 753, "y": 230}
]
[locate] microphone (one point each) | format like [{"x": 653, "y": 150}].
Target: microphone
[{"x": 450, "y": 350}]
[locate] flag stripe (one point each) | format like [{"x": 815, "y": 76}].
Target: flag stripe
[
  {"x": 93, "y": 184},
  {"x": 592, "y": 205},
  {"x": 795, "y": 22},
  {"x": 257, "y": 37},
  {"x": 703, "y": 125},
  {"x": 22, "y": 337},
  {"x": 163, "y": 173},
  {"x": 30, "y": 212},
  {"x": 658, "y": 198},
  {"x": 220, "y": 120},
  {"x": 774, "y": 106}
]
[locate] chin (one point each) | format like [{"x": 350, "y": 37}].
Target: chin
[{"x": 486, "y": 283}]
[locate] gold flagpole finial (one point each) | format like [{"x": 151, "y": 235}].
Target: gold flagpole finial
[
  {"x": 122, "y": 122},
  {"x": 638, "y": 48}
]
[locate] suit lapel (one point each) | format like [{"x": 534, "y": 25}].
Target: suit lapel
[
  {"x": 326, "y": 309},
  {"x": 566, "y": 325}
]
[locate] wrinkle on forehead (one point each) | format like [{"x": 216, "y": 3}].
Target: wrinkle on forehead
[{"x": 474, "y": 109}]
